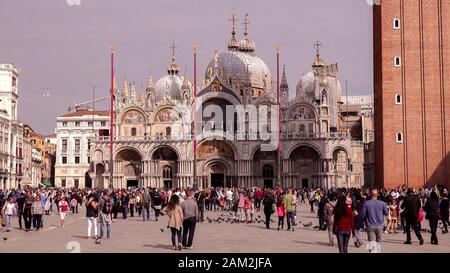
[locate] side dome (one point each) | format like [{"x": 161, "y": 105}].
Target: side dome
[
  {"x": 169, "y": 86},
  {"x": 307, "y": 85}
]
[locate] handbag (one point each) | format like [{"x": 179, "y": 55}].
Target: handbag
[{"x": 3, "y": 221}]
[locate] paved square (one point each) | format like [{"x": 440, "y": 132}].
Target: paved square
[{"x": 134, "y": 235}]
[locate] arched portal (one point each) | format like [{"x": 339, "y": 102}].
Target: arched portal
[
  {"x": 167, "y": 159},
  {"x": 217, "y": 172},
  {"x": 129, "y": 166},
  {"x": 217, "y": 157},
  {"x": 263, "y": 163},
  {"x": 305, "y": 162}
]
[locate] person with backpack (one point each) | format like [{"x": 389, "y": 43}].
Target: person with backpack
[
  {"x": 157, "y": 204},
  {"x": 268, "y": 206},
  {"x": 200, "y": 196},
  {"x": 105, "y": 210}
]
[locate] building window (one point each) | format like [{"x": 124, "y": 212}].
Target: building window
[
  {"x": 64, "y": 144},
  {"x": 133, "y": 132},
  {"x": 76, "y": 182},
  {"x": 77, "y": 160},
  {"x": 77, "y": 145},
  {"x": 398, "y": 99},
  {"x": 168, "y": 131},
  {"x": 77, "y": 124},
  {"x": 88, "y": 159},
  {"x": 63, "y": 182},
  {"x": 103, "y": 123},
  {"x": 64, "y": 160},
  {"x": 397, "y": 62},
  {"x": 90, "y": 124},
  {"x": 89, "y": 144},
  {"x": 399, "y": 137},
  {"x": 396, "y": 24},
  {"x": 64, "y": 124}
]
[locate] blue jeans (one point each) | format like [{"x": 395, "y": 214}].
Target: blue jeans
[
  {"x": 291, "y": 219},
  {"x": 145, "y": 214},
  {"x": 343, "y": 237},
  {"x": 9, "y": 222}
]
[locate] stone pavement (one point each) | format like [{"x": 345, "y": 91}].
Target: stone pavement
[{"x": 134, "y": 235}]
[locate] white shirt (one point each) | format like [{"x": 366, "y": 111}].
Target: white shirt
[
  {"x": 229, "y": 195},
  {"x": 9, "y": 208}
]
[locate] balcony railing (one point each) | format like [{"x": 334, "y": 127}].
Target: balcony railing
[{"x": 188, "y": 137}]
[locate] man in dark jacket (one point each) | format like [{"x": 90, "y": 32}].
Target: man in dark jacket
[
  {"x": 268, "y": 209},
  {"x": 444, "y": 209},
  {"x": 412, "y": 206}
]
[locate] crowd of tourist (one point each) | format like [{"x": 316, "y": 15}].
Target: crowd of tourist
[{"x": 342, "y": 213}]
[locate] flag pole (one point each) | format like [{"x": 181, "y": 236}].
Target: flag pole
[
  {"x": 195, "y": 184},
  {"x": 111, "y": 130},
  {"x": 278, "y": 46}
]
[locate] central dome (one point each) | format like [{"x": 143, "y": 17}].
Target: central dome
[
  {"x": 169, "y": 86},
  {"x": 239, "y": 69}
]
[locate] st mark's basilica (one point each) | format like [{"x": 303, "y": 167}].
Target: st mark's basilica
[{"x": 152, "y": 147}]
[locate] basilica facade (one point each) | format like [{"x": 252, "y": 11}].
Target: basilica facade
[{"x": 154, "y": 141}]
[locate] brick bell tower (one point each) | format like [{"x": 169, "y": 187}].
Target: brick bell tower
[{"x": 411, "y": 92}]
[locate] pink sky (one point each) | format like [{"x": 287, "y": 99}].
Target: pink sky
[{"x": 65, "y": 48}]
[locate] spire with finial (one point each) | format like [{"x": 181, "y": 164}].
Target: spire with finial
[
  {"x": 246, "y": 44},
  {"x": 173, "y": 68},
  {"x": 284, "y": 83},
  {"x": 142, "y": 98},
  {"x": 246, "y": 23},
  {"x": 133, "y": 91},
  {"x": 318, "y": 62},
  {"x": 233, "y": 44},
  {"x": 125, "y": 88},
  {"x": 216, "y": 63},
  {"x": 149, "y": 81},
  {"x": 185, "y": 85}
]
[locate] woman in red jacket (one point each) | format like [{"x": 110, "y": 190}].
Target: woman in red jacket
[{"x": 344, "y": 225}]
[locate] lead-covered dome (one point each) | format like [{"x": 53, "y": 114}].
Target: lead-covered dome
[
  {"x": 307, "y": 85},
  {"x": 169, "y": 86},
  {"x": 238, "y": 69}
]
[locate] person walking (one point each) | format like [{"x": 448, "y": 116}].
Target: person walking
[
  {"x": 359, "y": 221},
  {"x": 432, "y": 215},
  {"x": 8, "y": 211},
  {"x": 329, "y": 212},
  {"x": 20, "y": 201},
  {"x": 146, "y": 199},
  {"x": 268, "y": 207},
  {"x": 37, "y": 210},
  {"x": 175, "y": 214},
  {"x": 412, "y": 206},
  {"x": 63, "y": 209},
  {"x": 344, "y": 225},
  {"x": 132, "y": 204},
  {"x": 444, "y": 210},
  {"x": 373, "y": 212},
  {"x": 28, "y": 203},
  {"x": 281, "y": 212},
  {"x": 91, "y": 215},
  {"x": 105, "y": 210},
  {"x": 200, "y": 197},
  {"x": 190, "y": 216},
  {"x": 157, "y": 204},
  {"x": 289, "y": 205}
]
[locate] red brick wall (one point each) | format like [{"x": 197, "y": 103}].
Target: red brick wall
[{"x": 423, "y": 45}]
